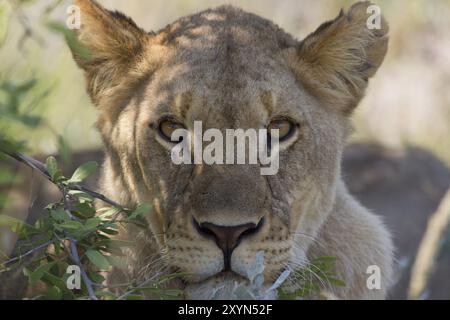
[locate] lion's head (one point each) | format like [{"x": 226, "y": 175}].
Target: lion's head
[{"x": 230, "y": 70}]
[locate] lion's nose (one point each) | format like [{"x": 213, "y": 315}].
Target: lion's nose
[{"x": 227, "y": 237}]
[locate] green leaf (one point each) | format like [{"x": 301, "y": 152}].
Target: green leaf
[
  {"x": 171, "y": 294},
  {"x": 59, "y": 215},
  {"x": 53, "y": 171},
  {"x": 81, "y": 196},
  {"x": 97, "y": 259},
  {"x": 85, "y": 209},
  {"x": 106, "y": 295},
  {"x": 54, "y": 293},
  {"x": 97, "y": 278},
  {"x": 164, "y": 294},
  {"x": 71, "y": 225},
  {"x": 52, "y": 166},
  {"x": 140, "y": 211},
  {"x": 336, "y": 282},
  {"x": 55, "y": 280},
  {"x": 108, "y": 211},
  {"x": 83, "y": 172},
  {"x": 64, "y": 150},
  {"x": 91, "y": 224},
  {"x": 312, "y": 278},
  {"x": 116, "y": 261},
  {"x": 177, "y": 275},
  {"x": 57, "y": 246},
  {"x": 36, "y": 275},
  {"x": 110, "y": 231}
]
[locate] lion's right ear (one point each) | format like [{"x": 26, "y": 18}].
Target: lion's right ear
[{"x": 110, "y": 49}]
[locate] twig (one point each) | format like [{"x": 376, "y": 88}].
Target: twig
[
  {"x": 143, "y": 284},
  {"x": 66, "y": 204},
  {"x": 39, "y": 166},
  {"x": 97, "y": 195},
  {"x": 429, "y": 248},
  {"x": 72, "y": 251},
  {"x": 113, "y": 286},
  {"x": 76, "y": 259},
  {"x": 20, "y": 257}
]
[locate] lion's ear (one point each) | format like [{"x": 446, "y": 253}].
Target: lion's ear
[
  {"x": 110, "y": 49},
  {"x": 336, "y": 61}
]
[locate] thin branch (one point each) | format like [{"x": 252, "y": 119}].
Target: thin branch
[
  {"x": 72, "y": 251},
  {"x": 112, "y": 286},
  {"x": 143, "y": 284},
  {"x": 20, "y": 257},
  {"x": 76, "y": 259},
  {"x": 97, "y": 195},
  {"x": 66, "y": 204},
  {"x": 39, "y": 166},
  {"x": 429, "y": 248}
]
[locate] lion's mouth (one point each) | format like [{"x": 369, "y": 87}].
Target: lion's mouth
[
  {"x": 191, "y": 280},
  {"x": 219, "y": 286}
]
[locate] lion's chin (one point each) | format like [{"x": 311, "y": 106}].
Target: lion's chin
[{"x": 219, "y": 286}]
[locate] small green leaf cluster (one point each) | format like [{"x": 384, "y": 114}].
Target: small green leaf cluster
[
  {"x": 312, "y": 279},
  {"x": 73, "y": 232},
  {"x": 309, "y": 280}
]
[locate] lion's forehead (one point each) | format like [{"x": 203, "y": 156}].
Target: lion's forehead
[
  {"x": 228, "y": 26},
  {"x": 227, "y": 60},
  {"x": 250, "y": 87}
]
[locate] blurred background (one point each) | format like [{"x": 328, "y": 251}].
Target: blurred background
[{"x": 398, "y": 159}]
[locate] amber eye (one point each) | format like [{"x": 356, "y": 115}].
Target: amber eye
[
  {"x": 167, "y": 127},
  {"x": 285, "y": 126}
]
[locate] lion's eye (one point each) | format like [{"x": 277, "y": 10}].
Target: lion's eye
[
  {"x": 167, "y": 127},
  {"x": 285, "y": 126}
]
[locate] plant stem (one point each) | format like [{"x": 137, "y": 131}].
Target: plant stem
[
  {"x": 76, "y": 259},
  {"x": 42, "y": 246},
  {"x": 39, "y": 166}
]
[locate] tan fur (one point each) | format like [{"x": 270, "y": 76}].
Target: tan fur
[
  {"x": 336, "y": 61},
  {"x": 231, "y": 69}
]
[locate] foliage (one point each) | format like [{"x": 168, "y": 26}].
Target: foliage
[
  {"x": 313, "y": 278},
  {"x": 309, "y": 280},
  {"x": 74, "y": 233}
]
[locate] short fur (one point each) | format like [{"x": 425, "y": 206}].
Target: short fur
[{"x": 232, "y": 69}]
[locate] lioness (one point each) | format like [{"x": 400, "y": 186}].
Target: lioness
[{"x": 231, "y": 69}]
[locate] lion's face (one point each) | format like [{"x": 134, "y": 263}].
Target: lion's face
[
  {"x": 201, "y": 207},
  {"x": 229, "y": 70}
]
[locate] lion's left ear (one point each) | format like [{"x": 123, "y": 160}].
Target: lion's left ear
[{"x": 335, "y": 62}]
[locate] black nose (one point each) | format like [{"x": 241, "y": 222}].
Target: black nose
[{"x": 227, "y": 238}]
